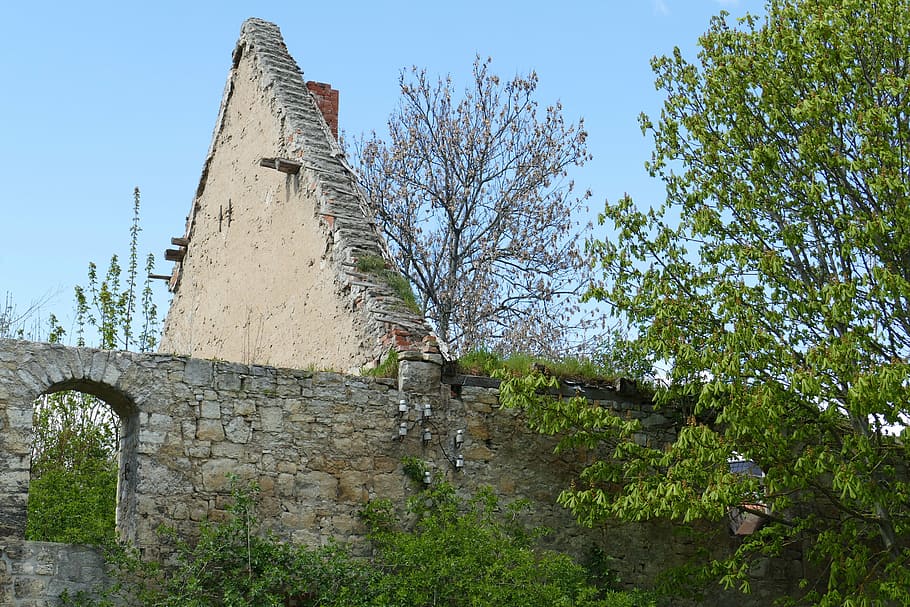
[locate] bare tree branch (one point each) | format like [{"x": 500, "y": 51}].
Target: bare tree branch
[{"x": 475, "y": 199}]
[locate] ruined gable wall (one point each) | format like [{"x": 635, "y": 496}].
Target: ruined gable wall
[
  {"x": 268, "y": 270},
  {"x": 257, "y": 281}
]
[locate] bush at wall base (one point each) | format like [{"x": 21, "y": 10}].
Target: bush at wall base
[{"x": 456, "y": 553}]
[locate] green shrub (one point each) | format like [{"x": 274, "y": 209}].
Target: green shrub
[
  {"x": 74, "y": 506},
  {"x": 232, "y": 565},
  {"x": 387, "y": 368},
  {"x": 474, "y": 553},
  {"x": 72, "y": 494},
  {"x": 457, "y": 553}
]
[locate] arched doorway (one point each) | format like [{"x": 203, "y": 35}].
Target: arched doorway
[{"x": 82, "y": 485}]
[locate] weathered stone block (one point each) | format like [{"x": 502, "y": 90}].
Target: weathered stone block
[
  {"x": 210, "y": 410},
  {"x": 318, "y": 484},
  {"x": 417, "y": 376},
  {"x": 286, "y": 466},
  {"x": 323, "y": 463},
  {"x": 243, "y": 407},
  {"x": 478, "y": 453},
  {"x": 478, "y": 429},
  {"x": 44, "y": 562},
  {"x": 228, "y": 381},
  {"x": 238, "y": 430},
  {"x": 655, "y": 419},
  {"x": 353, "y": 486},
  {"x": 160, "y": 480},
  {"x": 267, "y": 484},
  {"x": 475, "y": 396},
  {"x": 227, "y": 449},
  {"x": 113, "y": 371},
  {"x": 20, "y": 417},
  {"x": 215, "y": 473},
  {"x": 209, "y": 430},
  {"x": 29, "y": 381},
  {"x": 198, "y": 511},
  {"x": 347, "y": 524},
  {"x": 28, "y": 587},
  {"x": 482, "y": 408},
  {"x": 385, "y": 463},
  {"x": 387, "y": 486},
  {"x": 361, "y": 463},
  {"x": 266, "y": 461},
  {"x": 200, "y": 450},
  {"x": 266, "y": 385},
  {"x": 271, "y": 418},
  {"x": 180, "y": 511},
  {"x": 287, "y": 484}
]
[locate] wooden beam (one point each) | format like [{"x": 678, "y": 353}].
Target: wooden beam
[
  {"x": 284, "y": 165},
  {"x": 180, "y": 241},
  {"x": 471, "y": 380},
  {"x": 623, "y": 388},
  {"x": 159, "y": 276},
  {"x": 174, "y": 254}
]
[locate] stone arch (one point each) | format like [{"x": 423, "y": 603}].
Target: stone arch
[
  {"x": 128, "y": 467},
  {"x": 29, "y": 370}
]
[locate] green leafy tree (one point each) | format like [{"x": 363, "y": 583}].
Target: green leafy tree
[
  {"x": 771, "y": 290},
  {"x": 109, "y": 306},
  {"x": 75, "y": 446}
]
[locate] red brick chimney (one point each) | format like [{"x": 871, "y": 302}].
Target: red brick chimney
[{"x": 327, "y": 100}]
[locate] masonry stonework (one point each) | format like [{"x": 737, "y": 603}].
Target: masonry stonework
[
  {"x": 320, "y": 445},
  {"x": 37, "y": 573}
]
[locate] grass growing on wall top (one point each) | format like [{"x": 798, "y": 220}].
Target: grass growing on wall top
[
  {"x": 387, "y": 368},
  {"x": 485, "y": 363},
  {"x": 377, "y": 266}
]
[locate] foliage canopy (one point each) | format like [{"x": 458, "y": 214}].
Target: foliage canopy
[{"x": 771, "y": 289}]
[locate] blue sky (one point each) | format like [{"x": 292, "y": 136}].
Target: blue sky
[{"x": 101, "y": 97}]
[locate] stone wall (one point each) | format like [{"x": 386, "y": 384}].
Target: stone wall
[
  {"x": 36, "y": 573},
  {"x": 318, "y": 444}
]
